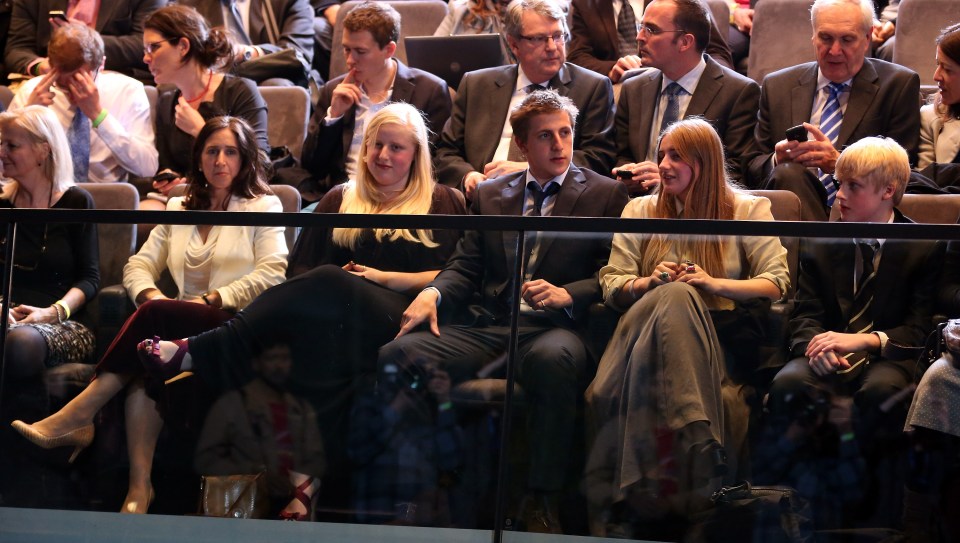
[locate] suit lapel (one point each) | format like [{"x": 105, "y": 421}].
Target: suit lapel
[
  {"x": 842, "y": 255},
  {"x": 649, "y": 88},
  {"x": 802, "y": 96},
  {"x": 573, "y": 186},
  {"x": 707, "y": 90},
  {"x": 605, "y": 12},
  {"x": 511, "y": 204},
  {"x": 864, "y": 91},
  {"x": 494, "y": 113},
  {"x": 402, "y": 84}
]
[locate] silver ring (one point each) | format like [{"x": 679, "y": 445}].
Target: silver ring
[{"x": 664, "y": 276}]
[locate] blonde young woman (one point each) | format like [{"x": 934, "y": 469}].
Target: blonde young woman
[{"x": 656, "y": 399}]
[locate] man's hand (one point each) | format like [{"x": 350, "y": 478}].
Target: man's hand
[
  {"x": 422, "y": 309},
  {"x": 541, "y": 295},
  {"x": 502, "y": 167},
  {"x": 331, "y": 14},
  {"x": 743, "y": 20},
  {"x": 42, "y": 94},
  {"x": 646, "y": 176},
  {"x": 842, "y": 343},
  {"x": 816, "y": 153},
  {"x": 470, "y": 182},
  {"x": 828, "y": 363},
  {"x": 186, "y": 118},
  {"x": 57, "y": 23},
  {"x": 624, "y": 65},
  {"x": 84, "y": 94},
  {"x": 345, "y": 95}
]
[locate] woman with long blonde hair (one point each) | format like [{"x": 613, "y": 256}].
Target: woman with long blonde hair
[{"x": 655, "y": 403}]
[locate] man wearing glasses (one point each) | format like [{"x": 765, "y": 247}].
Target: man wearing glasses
[
  {"x": 686, "y": 82},
  {"x": 476, "y": 141},
  {"x": 106, "y": 114}
]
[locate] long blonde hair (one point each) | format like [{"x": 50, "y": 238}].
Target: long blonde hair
[
  {"x": 709, "y": 196},
  {"x": 42, "y": 127},
  {"x": 363, "y": 196}
]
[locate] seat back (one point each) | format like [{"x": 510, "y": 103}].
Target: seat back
[
  {"x": 116, "y": 240},
  {"x": 917, "y": 28},
  {"x": 785, "y": 206},
  {"x": 420, "y": 18},
  {"x": 780, "y": 38},
  {"x": 288, "y": 109},
  {"x": 931, "y": 208}
]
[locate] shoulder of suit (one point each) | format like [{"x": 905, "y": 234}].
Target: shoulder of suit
[
  {"x": 789, "y": 72},
  {"x": 577, "y": 72},
  {"x": 888, "y": 69},
  {"x": 598, "y": 180},
  {"x": 422, "y": 77}
]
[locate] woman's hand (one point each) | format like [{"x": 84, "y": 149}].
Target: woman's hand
[
  {"x": 186, "y": 118},
  {"x": 697, "y": 277},
  {"x": 164, "y": 187},
  {"x": 28, "y": 314},
  {"x": 366, "y": 272}
]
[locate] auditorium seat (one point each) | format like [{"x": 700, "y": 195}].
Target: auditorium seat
[
  {"x": 781, "y": 37},
  {"x": 288, "y": 109},
  {"x": 917, "y": 29}
]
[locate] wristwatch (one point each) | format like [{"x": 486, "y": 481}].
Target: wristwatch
[{"x": 247, "y": 54}]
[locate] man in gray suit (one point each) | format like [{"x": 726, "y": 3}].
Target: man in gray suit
[
  {"x": 672, "y": 39},
  {"x": 839, "y": 99},
  {"x": 476, "y": 141}
]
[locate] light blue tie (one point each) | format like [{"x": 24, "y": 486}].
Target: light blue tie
[
  {"x": 830, "y": 122},
  {"x": 78, "y": 136},
  {"x": 671, "y": 113}
]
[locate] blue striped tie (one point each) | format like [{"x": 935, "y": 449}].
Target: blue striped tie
[{"x": 830, "y": 122}]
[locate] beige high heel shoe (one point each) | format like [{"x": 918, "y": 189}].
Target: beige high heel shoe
[{"x": 79, "y": 439}]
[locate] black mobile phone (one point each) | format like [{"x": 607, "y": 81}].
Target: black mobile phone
[
  {"x": 797, "y": 133},
  {"x": 624, "y": 174},
  {"x": 164, "y": 177},
  {"x": 58, "y": 14}
]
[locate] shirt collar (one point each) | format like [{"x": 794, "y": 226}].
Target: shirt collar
[
  {"x": 689, "y": 80},
  {"x": 822, "y": 81},
  {"x": 558, "y": 179},
  {"x": 523, "y": 81}
]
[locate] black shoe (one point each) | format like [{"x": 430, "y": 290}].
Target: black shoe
[
  {"x": 539, "y": 513},
  {"x": 706, "y": 461}
]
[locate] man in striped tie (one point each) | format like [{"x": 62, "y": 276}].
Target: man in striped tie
[
  {"x": 839, "y": 99},
  {"x": 859, "y": 302}
]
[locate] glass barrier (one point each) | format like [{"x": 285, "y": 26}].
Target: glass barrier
[{"x": 725, "y": 353}]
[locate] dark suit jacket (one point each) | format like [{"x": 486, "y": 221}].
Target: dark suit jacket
[
  {"x": 471, "y": 136},
  {"x": 325, "y": 148},
  {"x": 595, "y": 46},
  {"x": 903, "y": 295},
  {"x": 294, "y": 17},
  {"x": 484, "y": 260},
  {"x": 725, "y": 98},
  {"x": 119, "y": 22},
  {"x": 884, "y": 101}
]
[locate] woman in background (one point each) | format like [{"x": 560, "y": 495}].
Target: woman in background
[{"x": 940, "y": 120}]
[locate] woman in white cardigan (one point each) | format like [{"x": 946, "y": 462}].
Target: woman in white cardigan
[
  {"x": 940, "y": 121},
  {"x": 217, "y": 270}
]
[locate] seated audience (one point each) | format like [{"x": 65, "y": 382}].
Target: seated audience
[
  {"x": 56, "y": 266},
  {"x": 685, "y": 83},
  {"x": 469, "y": 151},
  {"x": 882, "y": 37},
  {"x": 559, "y": 284},
  {"x": 374, "y": 79},
  {"x": 351, "y": 285},
  {"x": 859, "y": 302},
  {"x": 106, "y": 114},
  {"x": 260, "y": 27},
  {"x": 120, "y": 22},
  {"x": 217, "y": 270},
  {"x": 594, "y": 47},
  {"x": 182, "y": 50},
  {"x": 940, "y": 120},
  {"x": 689, "y": 304},
  {"x": 741, "y": 27},
  {"x": 261, "y": 427},
  {"x": 839, "y": 98},
  {"x": 477, "y": 17}
]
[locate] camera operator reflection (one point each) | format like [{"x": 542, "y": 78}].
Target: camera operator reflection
[
  {"x": 262, "y": 427},
  {"x": 406, "y": 447},
  {"x": 813, "y": 449}
]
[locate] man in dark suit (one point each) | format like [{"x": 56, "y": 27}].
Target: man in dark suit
[
  {"x": 599, "y": 44},
  {"x": 294, "y": 19},
  {"x": 475, "y": 144},
  {"x": 839, "y": 99},
  {"x": 119, "y": 23},
  {"x": 858, "y": 303},
  {"x": 718, "y": 94},
  {"x": 559, "y": 284},
  {"x": 374, "y": 78}
]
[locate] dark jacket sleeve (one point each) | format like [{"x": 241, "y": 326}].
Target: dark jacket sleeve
[
  {"x": 323, "y": 153},
  {"x": 450, "y": 158},
  {"x": 87, "y": 250},
  {"x": 296, "y": 28},
  {"x": 596, "y": 149},
  {"x": 123, "y": 46},
  {"x": 313, "y": 242},
  {"x": 583, "y": 51},
  {"x": 22, "y": 36},
  {"x": 738, "y": 139}
]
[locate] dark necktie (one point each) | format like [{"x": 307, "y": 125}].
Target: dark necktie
[
  {"x": 78, "y": 136},
  {"x": 627, "y": 29},
  {"x": 861, "y": 314},
  {"x": 830, "y": 122},
  {"x": 235, "y": 22},
  {"x": 671, "y": 113},
  {"x": 513, "y": 152},
  {"x": 539, "y": 195}
]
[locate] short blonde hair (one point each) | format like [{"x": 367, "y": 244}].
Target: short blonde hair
[
  {"x": 877, "y": 162},
  {"x": 42, "y": 127}
]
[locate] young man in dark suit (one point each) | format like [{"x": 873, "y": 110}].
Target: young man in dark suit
[{"x": 559, "y": 284}]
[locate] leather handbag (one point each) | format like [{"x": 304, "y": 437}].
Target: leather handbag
[
  {"x": 742, "y": 512},
  {"x": 234, "y": 496}
]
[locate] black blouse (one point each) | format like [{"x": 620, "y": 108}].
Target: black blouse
[
  {"x": 236, "y": 96},
  {"x": 316, "y": 247},
  {"x": 50, "y": 259}
]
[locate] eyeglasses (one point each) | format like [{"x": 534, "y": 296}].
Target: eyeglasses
[
  {"x": 152, "y": 48},
  {"x": 541, "y": 41},
  {"x": 654, "y": 31}
]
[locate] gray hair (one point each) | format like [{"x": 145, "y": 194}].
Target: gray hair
[
  {"x": 866, "y": 11},
  {"x": 513, "y": 18}
]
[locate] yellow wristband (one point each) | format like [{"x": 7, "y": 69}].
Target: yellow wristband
[
  {"x": 66, "y": 308},
  {"x": 100, "y": 118}
]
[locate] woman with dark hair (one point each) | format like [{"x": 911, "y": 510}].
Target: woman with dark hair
[
  {"x": 656, "y": 399},
  {"x": 940, "y": 120},
  {"x": 182, "y": 50},
  {"x": 218, "y": 270}
]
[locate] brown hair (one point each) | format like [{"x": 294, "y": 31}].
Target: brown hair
[
  {"x": 74, "y": 46},
  {"x": 538, "y": 103},
  {"x": 250, "y": 181},
  {"x": 207, "y": 47},
  {"x": 377, "y": 18},
  {"x": 949, "y": 43},
  {"x": 692, "y": 17}
]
